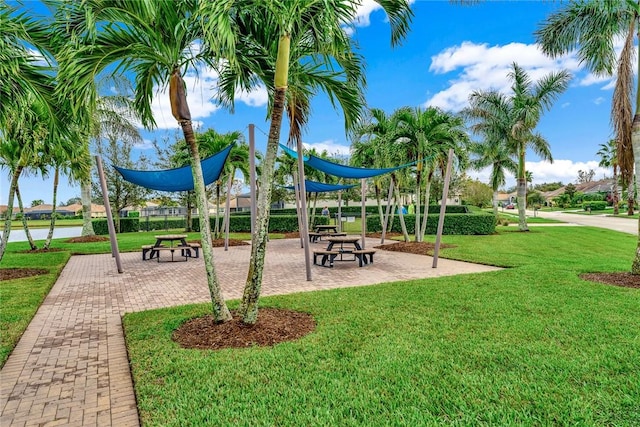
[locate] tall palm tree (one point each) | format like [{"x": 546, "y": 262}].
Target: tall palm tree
[
  {"x": 494, "y": 154},
  {"x": 157, "y": 42},
  {"x": 515, "y": 117},
  {"x": 592, "y": 27},
  {"x": 301, "y": 38},
  {"x": 609, "y": 159}
]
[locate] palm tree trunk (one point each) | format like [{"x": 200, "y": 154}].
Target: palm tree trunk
[
  {"x": 522, "y": 193},
  {"x": 25, "y": 225},
  {"x": 216, "y": 232},
  {"x": 187, "y": 227},
  {"x": 427, "y": 196},
  {"x": 249, "y": 306},
  {"x": 180, "y": 110},
  {"x": 52, "y": 224},
  {"x": 418, "y": 225},
  {"x": 7, "y": 221},
  {"x": 495, "y": 203},
  {"x": 616, "y": 208},
  {"x": 220, "y": 310},
  {"x": 85, "y": 196},
  {"x": 631, "y": 195},
  {"x": 401, "y": 215},
  {"x": 635, "y": 143}
]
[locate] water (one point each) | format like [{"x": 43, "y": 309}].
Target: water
[{"x": 41, "y": 233}]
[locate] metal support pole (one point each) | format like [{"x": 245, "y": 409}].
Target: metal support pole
[
  {"x": 363, "y": 212},
  {"x": 443, "y": 208},
  {"x": 339, "y": 218},
  {"x": 303, "y": 208},
  {"x": 107, "y": 207}
]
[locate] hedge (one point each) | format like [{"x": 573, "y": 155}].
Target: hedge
[
  {"x": 454, "y": 223},
  {"x": 595, "y": 205},
  {"x": 473, "y": 223}
]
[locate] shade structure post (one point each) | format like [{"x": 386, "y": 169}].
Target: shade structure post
[
  {"x": 227, "y": 213},
  {"x": 252, "y": 176},
  {"x": 339, "y": 218},
  {"x": 387, "y": 211},
  {"x": 303, "y": 208},
  {"x": 107, "y": 207},
  {"x": 363, "y": 212},
  {"x": 443, "y": 208},
  {"x": 296, "y": 193}
]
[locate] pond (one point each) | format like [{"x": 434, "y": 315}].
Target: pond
[{"x": 41, "y": 233}]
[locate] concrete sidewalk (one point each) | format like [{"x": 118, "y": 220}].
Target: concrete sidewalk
[{"x": 70, "y": 367}]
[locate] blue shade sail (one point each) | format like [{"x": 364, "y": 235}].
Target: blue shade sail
[
  {"x": 343, "y": 171},
  {"x": 179, "y": 179},
  {"x": 319, "y": 187},
  {"x": 292, "y": 153}
]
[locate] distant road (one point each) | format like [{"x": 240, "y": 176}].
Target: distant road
[{"x": 625, "y": 225}]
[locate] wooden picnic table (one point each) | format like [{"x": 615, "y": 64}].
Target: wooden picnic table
[
  {"x": 326, "y": 228},
  {"x": 181, "y": 245}
]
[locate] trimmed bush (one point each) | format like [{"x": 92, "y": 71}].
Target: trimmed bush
[
  {"x": 595, "y": 205},
  {"x": 475, "y": 223}
]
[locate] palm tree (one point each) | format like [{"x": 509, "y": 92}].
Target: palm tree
[
  {"x": 494, "y": 154},
  {"x": 609, "y": 159},
  {"x": 515, "y": 118},
  {"x": 156, "y": 43},
  {"x": 304, "y": 39},
  {"x": 592, "y": 27},
  {"x": 427, "y": 136}
]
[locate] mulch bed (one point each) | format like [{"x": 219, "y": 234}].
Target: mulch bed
[
  {"x": 87, "y": 239},
  {"x": 418, "y": 248},
  {"x": 626, "y": 280},
  {"x": 219, "y": 243},
  {"x": 41, "y": 251},
  {"x": 18, "y": 273},
  {"x": 274, "y": 326}
]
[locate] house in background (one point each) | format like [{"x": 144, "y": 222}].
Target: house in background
[
  {"x": 44, "y": 211},
  {"x": 3, "y": 211},
  {"x": 603, "y": 186}
]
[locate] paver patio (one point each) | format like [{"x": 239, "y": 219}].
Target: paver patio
[{"x": 71, "y": 368}]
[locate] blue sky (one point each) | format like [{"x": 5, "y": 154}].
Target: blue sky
[{"x": 450, "y": 51}]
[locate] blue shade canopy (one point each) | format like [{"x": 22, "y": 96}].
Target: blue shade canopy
[
  {"x": 292, "y": 153},
  {"x": 179, "y": 179},
  {"x": 319, "y": 187},
  {"x": 343, "y": 171}
]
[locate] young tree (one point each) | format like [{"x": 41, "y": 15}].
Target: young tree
[
  {"x": 609, "y": 159},
  {"x": 516, "y": 117}
]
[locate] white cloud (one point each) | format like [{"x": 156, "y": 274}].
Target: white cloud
[
  {"x": 146, "y": 144},
  {"x": 484, "y": 67},
  {"x": 201, "y": 89},
  {"x": 599, "y": 100},
  {"x": 330, "y": 146},
  {"x": 565, "y": 171},
  {"x": 364, "y": 11}
]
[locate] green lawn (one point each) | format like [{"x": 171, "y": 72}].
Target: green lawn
[{"x": 529, "y": 345}]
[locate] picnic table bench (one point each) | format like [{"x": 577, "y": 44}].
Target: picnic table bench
[{"x": 329, "y": 256}]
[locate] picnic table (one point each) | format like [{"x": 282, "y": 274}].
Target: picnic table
[
  {"x": 176, "y": 242},
  {"x": 326, "y": 228},
  {"x": 330, "y": 254},
  {"x": 324, "y": 231}
]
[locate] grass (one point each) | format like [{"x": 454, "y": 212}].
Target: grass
[{"x": 532, "y": 344}]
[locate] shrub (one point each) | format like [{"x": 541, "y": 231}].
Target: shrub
[
  {"x": 598, "y": 205},
  {"x": 475, "y": 223}
]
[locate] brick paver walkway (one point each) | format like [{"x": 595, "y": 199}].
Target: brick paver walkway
[{"x": 70, "y": 367}]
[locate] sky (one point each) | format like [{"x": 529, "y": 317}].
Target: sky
[{"x": 450, "y": 51}]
